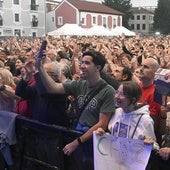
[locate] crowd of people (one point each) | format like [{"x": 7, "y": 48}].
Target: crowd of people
[{"x": 62, "y": 83}]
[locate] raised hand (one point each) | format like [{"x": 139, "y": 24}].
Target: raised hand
[{"x": 27, "y": 71}]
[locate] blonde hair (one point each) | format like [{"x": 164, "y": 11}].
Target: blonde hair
[{"x": 7, "y": 77}]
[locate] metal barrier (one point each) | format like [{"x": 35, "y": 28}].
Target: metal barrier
[{"x": 39, "y": 147}]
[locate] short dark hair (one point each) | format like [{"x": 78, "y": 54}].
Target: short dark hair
[
  {"x": 98, "y": 57},
  {"x": 161, "y": 46},
  {"x": 128, "y": 72},
  {"x": 132, "y": 91}
]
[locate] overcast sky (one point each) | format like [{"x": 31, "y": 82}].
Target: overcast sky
[{"x": 137, "y": 3}]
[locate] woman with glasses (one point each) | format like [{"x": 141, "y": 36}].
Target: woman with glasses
[{"x": 131, "y": 120}]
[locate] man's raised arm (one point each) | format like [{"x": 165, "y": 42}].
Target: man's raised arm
[{"x": 50, "y": 85}]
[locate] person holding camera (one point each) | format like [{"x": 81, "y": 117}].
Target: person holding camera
[{"x": 97, "y": 112}]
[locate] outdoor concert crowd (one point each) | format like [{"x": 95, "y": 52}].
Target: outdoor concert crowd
[{"x": 46, "y": 88}]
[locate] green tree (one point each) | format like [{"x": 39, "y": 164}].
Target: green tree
[
  {"x": 162, "y": 17},
  {"x": 123, "y": 6}
]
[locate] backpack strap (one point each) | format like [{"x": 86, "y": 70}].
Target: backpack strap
[
  {"x": 136, "y": 125},
  {"x": 93, "y": 93}
]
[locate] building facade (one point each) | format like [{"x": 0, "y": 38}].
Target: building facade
[
  {"x": 22, "y": 18},
  {"x": 142, "y": 20},
  {"x": 87, "y": 14}
]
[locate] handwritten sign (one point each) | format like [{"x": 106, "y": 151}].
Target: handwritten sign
[{"x": 120, "y": 153}]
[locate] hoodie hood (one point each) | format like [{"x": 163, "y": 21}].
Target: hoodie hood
[{"x": 142, "y": 110}]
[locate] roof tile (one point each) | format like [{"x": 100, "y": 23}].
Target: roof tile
[{"x": 93, "y": 7}]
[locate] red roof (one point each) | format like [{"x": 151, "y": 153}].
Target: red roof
[{"x": 93, "y": 7}]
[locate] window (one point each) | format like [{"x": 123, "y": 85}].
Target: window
[
  {"x": 138, "y": 26},
  {"x": 1, "y": 20},
  {"x": 16, "y": 2},
  {"x": 52, "y": 19},
  {"x": 104, "y": 21},
  {"x": 144, "y": 17},
  {"x": 94, "y": 20},
  {"x": 1, "y": 3},
  {"x": 16, "y": 17},
  {"x": 82, "y": 21},
  {"x": 60, "y": 20},
  {"x": 114, "y": 23},
  {"x": 17, "y": 32},
  {"x": 138, "y": 17},
  {"x": 150, "y": 27},
  {"x": 150, "y": 18},
  {"x": 143, "y": 26},
  {"x": 33, "y": 5},
  {"x": 132, "y": 17},
  {"x": 34, "y": 34},
  {"x": 132, "y": 26},
  {"x": 33, "y": 2},
  {"x": 34, "y": 21}
]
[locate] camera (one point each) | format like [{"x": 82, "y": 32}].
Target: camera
[{"x": 162, "y": 86}]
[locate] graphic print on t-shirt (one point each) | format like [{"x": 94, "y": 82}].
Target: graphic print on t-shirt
[{"x": 123, "y": 130}]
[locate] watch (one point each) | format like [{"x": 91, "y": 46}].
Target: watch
[{"x": 2, "y": 87}]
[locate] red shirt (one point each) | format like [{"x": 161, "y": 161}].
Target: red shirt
[
  {"x": 155, "y": 108},
  {"x": 24, "y": 107},
  {"x": 148, "y": 97}
]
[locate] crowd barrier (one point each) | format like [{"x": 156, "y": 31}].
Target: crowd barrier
[{"x": 40, "y": 147}]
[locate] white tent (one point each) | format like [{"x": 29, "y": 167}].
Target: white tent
[
  {"x": 117, "y": 31},
  {"x": 99, "y": 31},
  {"x": 69, "y": 29}
]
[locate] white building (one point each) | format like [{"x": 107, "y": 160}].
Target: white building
[
  {"x": 22, "y": 18},
  {"x": 142, "y": 20}
]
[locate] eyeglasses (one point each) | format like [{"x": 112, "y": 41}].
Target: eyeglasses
[
  {"x": 119, "y": 93},
  {"x": 52, "y": 74}
]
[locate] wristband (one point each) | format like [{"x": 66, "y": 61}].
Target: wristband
[
  {"x": 2, "y": 87},
  {"x": 79, "y": 141}
]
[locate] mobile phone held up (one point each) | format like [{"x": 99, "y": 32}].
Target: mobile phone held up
[{"x": 42, "y": 48}]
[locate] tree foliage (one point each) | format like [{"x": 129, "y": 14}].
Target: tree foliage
[
  {"x": 162, "y": 17},
  {"x": 123, "y": 6}
]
